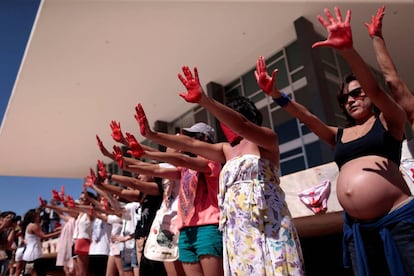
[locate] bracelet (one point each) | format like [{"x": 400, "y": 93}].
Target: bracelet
[
  {"x": 109, "y": 176},
  {"x": 283, "y": 100}
]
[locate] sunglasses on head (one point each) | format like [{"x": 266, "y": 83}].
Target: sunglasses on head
[{"x": 353, "y": 93}]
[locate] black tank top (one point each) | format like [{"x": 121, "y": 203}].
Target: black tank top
[{"x": 378, "y": 141}]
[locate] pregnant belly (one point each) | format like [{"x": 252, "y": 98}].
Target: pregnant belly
[{"x": 368, "y": 190}]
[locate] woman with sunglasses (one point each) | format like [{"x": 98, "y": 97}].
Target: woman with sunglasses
[{"x": 379, "y": 212}]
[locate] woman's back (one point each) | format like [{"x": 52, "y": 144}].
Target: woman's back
[{"x": 33, "y": 245}]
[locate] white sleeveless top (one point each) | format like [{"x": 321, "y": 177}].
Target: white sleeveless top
[{"x": 33, "y": 249}]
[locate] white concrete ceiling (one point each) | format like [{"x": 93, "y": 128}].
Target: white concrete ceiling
[{"x": 90, "y": 62}]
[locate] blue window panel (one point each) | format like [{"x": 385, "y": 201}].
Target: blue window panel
[
  {"x": 250, "y": 83},
  {"x": 293, "y": 165},
  {"x": 313, "y": 154},
  {"x": 294, "y": 57},
  {"x": 287, "y": 131},
  {"x": 290, "y": 153}
]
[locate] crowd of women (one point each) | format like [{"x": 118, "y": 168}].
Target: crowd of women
[{"x": 219, "y": 204}]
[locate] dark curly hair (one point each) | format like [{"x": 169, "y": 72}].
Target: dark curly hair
[{"x": 245, "y": 107}]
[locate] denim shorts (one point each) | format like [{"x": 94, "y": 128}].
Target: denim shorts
[
  {"x": 129, "y": 258},
  {"x": 199, "y": 240}
]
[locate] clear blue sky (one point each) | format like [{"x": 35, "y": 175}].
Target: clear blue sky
[{"x": 20, "y": 194}]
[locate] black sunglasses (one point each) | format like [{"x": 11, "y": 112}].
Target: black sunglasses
[{"x": 353, "y": 93}]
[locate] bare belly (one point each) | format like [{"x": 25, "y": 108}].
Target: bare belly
[{"x": 369, "y": 187}]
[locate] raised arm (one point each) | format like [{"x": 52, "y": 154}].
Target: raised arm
[
  {"x": 340, "y": 38},
  {"x": 182, "y": 160},
  {"x": 141, "y": 167},
  {"x": 400, "y": 91},
  {"x": 267, "y": 84},
  {"x": 262, "y": 136},
  {"x": 146, "y": 187},
  {"x": 180, "y": 142}
]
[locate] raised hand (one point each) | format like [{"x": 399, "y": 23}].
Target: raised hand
[
  {"x": 56, "y": 196},
  {"x": 118, "y": 156},
  {"x": 91, "y": 179},
  {"x": 102, "y": 171},
  {"x": 340, "y": 34},
  {"x": 265, "y": 82},
  {"x": 42, "y": 202},
  {"x": 192, "y": 84},
  {"x": 62, "y": 193},
  {"x": 135, "y": 148},
  {"x": 102, "y": 148},
  {"x": 142, "y": 120},
  {"x": 116, "y": 132},
  {"x": 69, "y": 202},
  {"x": 375, "y": 28}
]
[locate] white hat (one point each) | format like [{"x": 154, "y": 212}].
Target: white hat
[{"x": 203, "y": 128}]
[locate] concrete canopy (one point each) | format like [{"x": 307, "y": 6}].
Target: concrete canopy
[{"x": 90, "y": 62}]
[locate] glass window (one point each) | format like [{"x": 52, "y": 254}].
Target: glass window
[
  {"x": 290, "y": 153},
  {"x": 287, "y": 131},
  {"x": 266, "y": 118},
  {"x": 293, "y": 165},
  {"x": 305, "y": 129},
  {"x": 282, "y": 76},
  {"x": 333, "y": 90},
  {"x": 201, "y": 116},
  {"x": 235, "y": 91},
  {"x": 313, "y": 154},
  {"x": 330, "y": 69},
  {"x": 250, "y": 83},
  {"x": 258, "y": 97},
  {"x": 327, "y": 54},
  {"x": 274, "y": 57},
  {"x": 298, "y": 75},
  {"x": 294, "y": 57},
  {"x": 343, "y": 66}
]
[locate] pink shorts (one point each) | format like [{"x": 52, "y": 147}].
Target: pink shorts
[{"x": 82, "y": 246}]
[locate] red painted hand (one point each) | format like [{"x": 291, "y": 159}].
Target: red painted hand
[
  {"x": 340, "y": 34},
  {"x": 62, "y": 193},
  {"x": 192, "y": 84},
  {"x": 116, "y": 131},
  {"x": 56, "y": 196},
  {"x": 265, "y": 82},
  {"x": 91, "y": 178},
  {"x": 118, "y": 156},
  {"x": 375, "y": 28},
  {"x": 42, "y": 202},
  {"x": 135, "y": 148},
  {"x": 102, "y": 170},
  {"x": 102, "y": 148},
  {"x": 141, "y": 119},
  {"x": 70, "y": 202}
]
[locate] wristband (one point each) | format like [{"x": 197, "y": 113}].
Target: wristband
[{"x": 283, "y": 100}]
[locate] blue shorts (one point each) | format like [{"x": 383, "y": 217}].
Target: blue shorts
[
  {"x": 129, "y": 258},
  {"x": 196, "y": 241}
]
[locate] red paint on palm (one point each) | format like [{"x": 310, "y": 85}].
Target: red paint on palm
[
  {"x": 192, "y": 84},
  {"x": 339, "y": 31},
  {"x": 135, "y": 148},
  {"x": 375, "y": 27}
]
